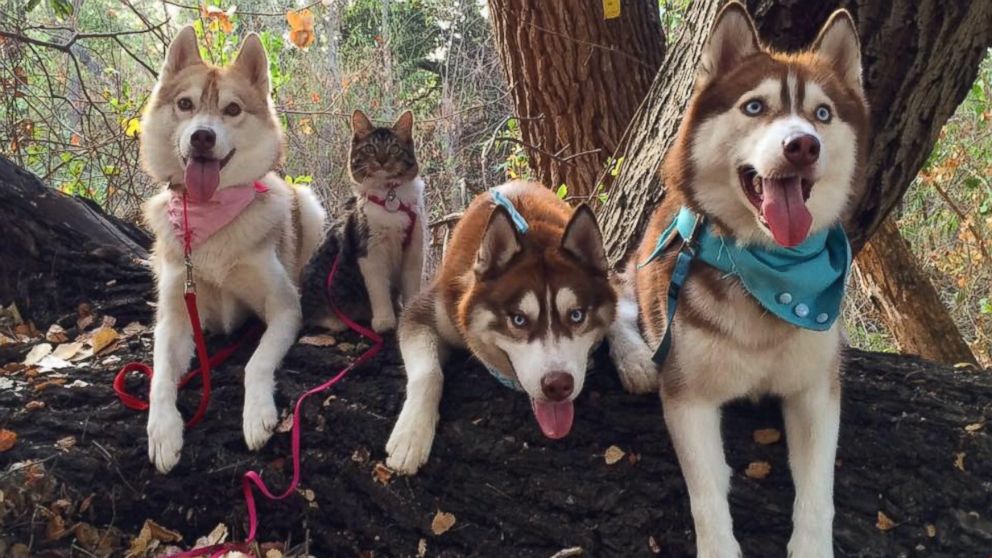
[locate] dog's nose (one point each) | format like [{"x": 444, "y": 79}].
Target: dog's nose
[
  {"x": 203, "y": 140},
  {"x": 801, "y": 150},
  {"x": 557, "y": 386}
]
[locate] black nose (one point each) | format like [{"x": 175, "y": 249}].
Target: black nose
[
  {"x": 801, "y": 150},
  {"x": 557, "y": 386},
  {"x": 203, "y": 140}
]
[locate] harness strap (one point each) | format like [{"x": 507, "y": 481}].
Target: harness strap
[
  {"x": 408, "y": 234},
  {"x": 687, "y": 253}
]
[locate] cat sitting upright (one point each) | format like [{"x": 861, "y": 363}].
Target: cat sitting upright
[{"x": 378, "y": 236}]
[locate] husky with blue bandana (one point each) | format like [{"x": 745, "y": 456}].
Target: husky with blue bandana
[{"x": 737, "y": 285}]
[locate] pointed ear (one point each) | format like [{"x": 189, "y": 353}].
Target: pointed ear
[
  {"x": 732, "y": 39},
  {"x": 583, "y": 240},
  {"x": 360, "y": 124},
  {"x": 183, "y": 52},
  {"x": 253, "y": 63},
  {"x": 499, "y": 244},
  {"x": 838, "y": 44},
  {"x": 404, "y": 126}
]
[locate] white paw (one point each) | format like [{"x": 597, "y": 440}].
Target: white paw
[
  {"x": 384, "y": 322},
  {"x": 718, "y": 547},
  {"x": 638, "y": 373},
  {"x": 410, "y": 443},
  {"x": 259, "y": 420},
  {"x": 165, "y": 437},
  {"x": 808, "y": 544}
]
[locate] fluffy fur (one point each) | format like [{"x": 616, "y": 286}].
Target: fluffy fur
[
  {"x": 725, "y": 345},
  {"x": 250, "y": 266},
  {"x": 531, "y": 307}
]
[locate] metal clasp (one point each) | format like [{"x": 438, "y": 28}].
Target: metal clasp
[{"x": 190, "y": 283}]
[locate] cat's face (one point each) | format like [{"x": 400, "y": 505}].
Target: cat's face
[{"x": 381, "y": 155}]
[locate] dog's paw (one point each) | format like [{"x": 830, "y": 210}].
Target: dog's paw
[
  {"x": 410, "y": 443},
  {"x": 638, "y": 373},
  {"x": 384, "y": 323},
  {"x": 718, "y": 547},
  {"x": 811, "y": 545},
  {"x": 331, "y": 323},
  {"x": 259, "y": 420},
  {"x": 165, "y": 437}
]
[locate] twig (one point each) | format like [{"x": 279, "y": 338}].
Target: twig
[
  {"x": 240, "y": 12},
  {"x": 979, "y": 239},
  {"x": 446, "y": 220},
  {"x": 67, "y": 46}
]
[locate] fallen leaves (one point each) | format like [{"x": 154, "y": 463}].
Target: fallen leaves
[
  {"x": 959, "y": 461},
  {"x": 931, "y": 530},
  {"x": 301, "y": 31},
  {"x": 758, "y": 470},
  {"x": 884, "y": 522},
  {"x": 382, "y": 474},
  {"x": 421, "y": 548},
  {"x": 613, "y": 455},
  {"x": 767, "y": 436},
  {"x": 66, "y": 443},
  {"x": 443, "y": 521},
  {"x": 38, "y": 352},
  {"x": 972, "y": 428},
  {"x": 56, "y": 334},
  {"x": 151, "y": 537},
  {"x": 7, "y": 439},
  {"x": 102, "y": 338},
  {"x": 321, "y": 340}
]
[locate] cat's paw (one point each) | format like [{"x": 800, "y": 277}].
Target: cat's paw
[{"x": 384, "y": 323}]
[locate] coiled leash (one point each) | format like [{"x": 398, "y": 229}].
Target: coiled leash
[{"x": 251, "y": 478}]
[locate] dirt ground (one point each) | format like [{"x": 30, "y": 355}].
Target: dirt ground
[{"x": 914, "y": 471}]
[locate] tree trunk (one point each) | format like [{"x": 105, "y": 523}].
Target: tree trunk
[
  {"x": 59, "y": 251},
  {"x": 576, "y": 79},
  {"x": 908, "y": 302},
  {"x": 920, "y": 58}
]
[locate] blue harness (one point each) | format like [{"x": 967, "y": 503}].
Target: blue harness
[
  {"x": 522, "y": 227},
  {"x": 803, "y": 285}
]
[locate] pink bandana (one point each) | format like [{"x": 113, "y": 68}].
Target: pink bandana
[{"x": 206, "y": 218}]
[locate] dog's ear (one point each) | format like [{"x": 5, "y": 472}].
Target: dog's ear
[
  {"x": 583, "y": 240},
  {"x": 499, "y": 244},
  {"x": 732, "y": 39},
  {"x": 183, "y": 52},
  {"x": 404, "y": 126},
  {"x": 839, "y": 45},
  {"x": 253, "y": 63},
  {"x": 360, "y": 124}
]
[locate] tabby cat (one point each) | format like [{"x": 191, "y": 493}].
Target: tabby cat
[{"x": 378, "y": 238}]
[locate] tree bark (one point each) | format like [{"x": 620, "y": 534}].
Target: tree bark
[
  {"x": 576, "y": 79},
  {"x": 920, "y": 57},
  {"x": 907, "y": 301},
  {"x": 59, "y": 251}
]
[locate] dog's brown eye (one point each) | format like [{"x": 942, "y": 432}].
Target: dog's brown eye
[
  {"x": 184, "y": 104},
  {"x": 232, "y": 109},
  {"x": 518, "y": 320}
]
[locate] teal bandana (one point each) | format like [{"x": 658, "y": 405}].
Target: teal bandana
[{"x": 802, "y": 285}]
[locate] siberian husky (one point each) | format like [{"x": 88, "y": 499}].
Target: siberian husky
[
  {"x": 769, "y": 155},
  {"x": 212, "y": 134},
  {"x": 524, "y": 287}
]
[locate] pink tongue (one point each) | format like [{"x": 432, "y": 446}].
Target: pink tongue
[
  {"x": 554, "y": 417},
  {"x": 202, "y": 177},
  {"x": 785, "y": 210}
]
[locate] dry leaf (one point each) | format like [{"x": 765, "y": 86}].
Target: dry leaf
[
  {"x": 613, "y": 455},
  {"x": 301, "y": 27},
  {"x": 151, "y": 536},
  {"x": 974, "y": 427},
  {"x": 55, "y": 528},
  {"x": 309, "y": 495},
  {"x": 56, "y": 334},
  {"x": 381, "y": 473},
  {"x": 758, "y": 470},
  {"x": 421, "y": 548},
  {"x": 654, "y": 546},
  {"x": 443, "y": 521},
  {"x": 217, "y": 536},
  {"x": 102, "y": 338},
  {"x": 273, "y": 553},
  {"x": 66, "y": 443},
  {"x": 88, "y": 535},
  {"x": 285, "y": 425},
  {"x": 38, "y": 352},
  {"x": 134, "y": 328},
  {"x": 931, "y": 530},
  {"x": 959, "y": 460},
  {"x": 7, "y": 439},
  {"x": 66, "y": 351},
  {"x": 884, "y": 523},
  {"x": 318, "y": 340},
  {"x": 361, "y": 455},
  {"x": 52, "y": 362},
  {"x": 34, "y": 405},
  {"x": 767, "y": 436},
  {"x": 38, "y": 388}
]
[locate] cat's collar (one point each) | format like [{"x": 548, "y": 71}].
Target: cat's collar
[{"x": 392, "y": 203}]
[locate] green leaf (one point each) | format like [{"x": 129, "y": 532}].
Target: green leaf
[
  {"x": 603, "y": 197},
  {"x": 562, "y": 192},
  {"x": 985, "y": 306},
  {"x": 32, "y": 4},
  {"x": 62, "y": 8}
]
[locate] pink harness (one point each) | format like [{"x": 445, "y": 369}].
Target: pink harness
[
  {"x": 203, "y": 219},
  {"x": 392, "y": 204}
]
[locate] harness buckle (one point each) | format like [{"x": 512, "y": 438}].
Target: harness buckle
[{"x": 190, "y": 283}]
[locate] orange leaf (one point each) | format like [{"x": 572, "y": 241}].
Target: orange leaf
[
  {"x": 301, "y": 27},
  {"x": 7, "y": 439}
]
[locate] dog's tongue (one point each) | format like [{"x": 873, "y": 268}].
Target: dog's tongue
[
  {"x": 554, "y": 417},
  {"x": 785, "y": 210},
  {"x": 202, "y": 178}
]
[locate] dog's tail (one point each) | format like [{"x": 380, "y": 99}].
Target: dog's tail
[{"x": 313, "y": 291}]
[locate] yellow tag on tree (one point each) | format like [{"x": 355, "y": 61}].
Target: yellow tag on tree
[{"x": 611, "y": 9}]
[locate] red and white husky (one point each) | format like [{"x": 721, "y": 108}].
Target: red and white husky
[{"x": 771, "y": 150}]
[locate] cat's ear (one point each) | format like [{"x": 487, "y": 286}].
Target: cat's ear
[
  {"x": 404, "y": 126},
  {"x": 360, "y": 124}
]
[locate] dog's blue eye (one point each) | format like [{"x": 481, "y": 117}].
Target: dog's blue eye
[
  {"x": 754, "y": 107},
  {"x": 577, "y": 315},
  {"x": 823, "y": 113},
  {"x": 184, "y": 104},
  {"x": 518, "y": 320}
]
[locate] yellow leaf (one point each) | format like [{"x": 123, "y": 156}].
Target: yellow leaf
[
  {"x": 766, "y": 436},
  {"x": 758, "y": 470},
  {"x": 884, "y": 523},
  {"x": 102, "y": 338},
  {"x": 132, "y": 127},
  {"x": 613, "y": 455},
  {"x": 959, "y": 461},
  {"x": 7, "y": 439},
  {"x": 301, "y": 27},
  {"x": 442, "y": 522},
  {"x": 611, "y": 9}
]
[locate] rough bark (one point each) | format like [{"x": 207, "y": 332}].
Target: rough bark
[
  {"x": 912, "y": 309},
  {"x": 59, "y": 251},
  {"x": 920, "y": 57},
  {"x": 576, "y": 79}
]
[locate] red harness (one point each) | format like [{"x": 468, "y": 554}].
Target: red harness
[
  {"x": 392, "y": 204},
  {"x": 251, "y": 478}
]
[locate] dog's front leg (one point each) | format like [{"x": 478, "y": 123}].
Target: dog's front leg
[
  {"x": 628, "y": 350},
  {"x": 173, "y": 352},
  {"x": 413, "y": 265},
  {"x": 423, "y": 353},
  {"x": 694, "y": 425},
  {"x": 812, "y": 421},
  {"x": 378, "y": 282}
]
